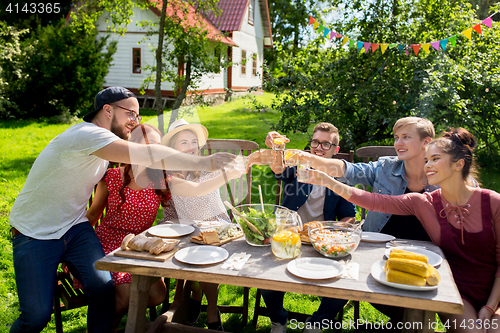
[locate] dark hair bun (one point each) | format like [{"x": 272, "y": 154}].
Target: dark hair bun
[{"x": 461, "y": 136}]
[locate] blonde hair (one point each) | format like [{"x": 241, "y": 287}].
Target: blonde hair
[
  {"x": 329, "y": 128},
  {"x": 424, "y": 126}
]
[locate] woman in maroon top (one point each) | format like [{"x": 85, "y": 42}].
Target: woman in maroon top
[{"x": 460, "y": 218}]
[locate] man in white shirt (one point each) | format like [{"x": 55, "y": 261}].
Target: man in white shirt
[{"x": 48, "y": 217}]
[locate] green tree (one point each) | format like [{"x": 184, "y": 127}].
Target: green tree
[
  {"x": 364, "y": 93},
  {"x": 62, "y": 71}
]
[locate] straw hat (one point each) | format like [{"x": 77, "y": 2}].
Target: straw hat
[{"x": 182, "y": 125}]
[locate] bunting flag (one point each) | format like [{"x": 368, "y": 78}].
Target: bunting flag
[
  {"x": 443, "y": 43},
  {"x": 416, "y": 48},
  {"x": 477, "y": 28},
  {"x": 468, "y": 33},
  {"x": 487, "y": 22},
  {"x": 383, "y": 48}
]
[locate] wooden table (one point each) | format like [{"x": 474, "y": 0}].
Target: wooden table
[{"x": 264, "y": 270}]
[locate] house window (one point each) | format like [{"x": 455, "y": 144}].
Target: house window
[
  {"x": 218, "y": 58},
  {"x": 243, "y": 62},
  {"x": 251, "y": 10},
  {"x": 136, "y": 60},
  {"x": 254, "y": 64}
]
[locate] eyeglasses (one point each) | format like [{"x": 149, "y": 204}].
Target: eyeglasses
[
  {"x": 326, "y": 145},
  {"x": 132, "y": 115}
]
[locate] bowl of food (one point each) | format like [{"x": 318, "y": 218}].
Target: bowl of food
[
  {"x": 335, "y": 239},
  {"x": 258, "y": 226}
]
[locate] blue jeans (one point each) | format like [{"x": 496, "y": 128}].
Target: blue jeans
[
  {"x": 328, "y": 308},
  {"x": 35, "y": 265}
]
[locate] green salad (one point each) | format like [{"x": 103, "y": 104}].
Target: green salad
[{"x": 265, "y": 223}]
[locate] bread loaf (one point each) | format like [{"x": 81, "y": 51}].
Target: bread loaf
[
  {"x": 152, "y": 242},
  {"x": 137, "y": 243},
  {"x": 125, "y": 241}
]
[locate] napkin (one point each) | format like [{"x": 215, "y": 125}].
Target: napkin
[
  {"x": 351, "y": 270},
  {"x": 236, "y": 261}
]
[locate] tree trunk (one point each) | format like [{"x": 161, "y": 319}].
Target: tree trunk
[
  {"x": 182, "y": 94},
  {"x": 159, "y": 52}
]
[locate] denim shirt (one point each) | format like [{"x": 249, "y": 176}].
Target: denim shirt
[{"x": 385, "y": 176}]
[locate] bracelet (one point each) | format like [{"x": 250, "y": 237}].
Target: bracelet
[{"x": 490, "y": 309}]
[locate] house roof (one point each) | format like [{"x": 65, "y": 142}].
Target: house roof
[
  {"x": 232, "y": 13},
  {"x": 192, "y": 18}
]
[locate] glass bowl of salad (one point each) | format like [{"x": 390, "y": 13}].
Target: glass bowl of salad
[
  {"x": 335, "y": 239},
  {"x": 258, "y": 226}
]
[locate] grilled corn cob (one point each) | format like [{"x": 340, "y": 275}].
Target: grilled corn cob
[
  {"x": 396, "y": 253},
  {"x": 433, "y": 279},
  {"x": 409, "y": 266},
  {"x": 396, "y": 276}
]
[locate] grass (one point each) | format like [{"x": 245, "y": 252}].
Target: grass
[{"x": 22, "y": 141}]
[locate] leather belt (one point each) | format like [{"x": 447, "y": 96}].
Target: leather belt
[{"x": 14, "y": 231}]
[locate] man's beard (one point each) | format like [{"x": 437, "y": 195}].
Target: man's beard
[{"x": 118, "y": 130}]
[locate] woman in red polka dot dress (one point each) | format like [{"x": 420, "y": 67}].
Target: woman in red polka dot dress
[{"x": 132, "y": 205}]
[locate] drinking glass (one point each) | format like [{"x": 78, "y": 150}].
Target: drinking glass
[
  {"x": 291, "y": 157},
  {"x": 302, "y": 174},
  {"x": 266, "y": 156},
  {"x": 279, "y": 143}
]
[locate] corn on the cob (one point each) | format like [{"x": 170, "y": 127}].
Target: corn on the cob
[
  {"x": 409, "y": 266},
  {"x": 397, "y": 253},
  {"x": 396, "y": 276},
  {"x": 434, "y": 278}
]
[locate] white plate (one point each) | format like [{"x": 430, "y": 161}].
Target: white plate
[
  {"x": 171, "y": 230},
  {"x": 201, "y": 255},
  {"x": 379, "y": 275},
  {"x": 434, "y": 259},
  {"x": 315, "y": 268},
  {"x": 375, "y": 237}
]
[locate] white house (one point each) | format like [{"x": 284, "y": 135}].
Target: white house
[{"x": 245, "y": 22}]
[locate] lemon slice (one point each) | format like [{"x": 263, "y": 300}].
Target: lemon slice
[
  {"x": 289, "y": 154},
  {"x": 282, "y": 236},
  {"x": 279, "y": 141}
]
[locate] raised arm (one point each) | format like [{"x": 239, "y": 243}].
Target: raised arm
[
  {"x": 161, "y": 157},
  {"x": 98, "y": 203}
]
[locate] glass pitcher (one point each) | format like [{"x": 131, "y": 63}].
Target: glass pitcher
[{"x": 285, "y": 242}]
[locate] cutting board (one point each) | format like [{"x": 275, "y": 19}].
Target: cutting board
[
  {"x": 145, "y": 254},
  {"x": 227, "y": 240}
]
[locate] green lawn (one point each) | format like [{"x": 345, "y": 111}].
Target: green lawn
[{"x": 22, "y": 141}]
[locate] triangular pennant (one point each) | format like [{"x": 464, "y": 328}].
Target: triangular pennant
[
  {"x": 326, "y": 33},
  {"x": 393, "y": 45},
  {"x": 311, "y": 20},
  {"x": 367, "y": 46},
  {"x": 407, "y": 53},
  {"x": 338, "y": 35},
  {"x": 467, "y": 33},
  {"x": 416, "y": 48},
  {"x": 426, "y": 46},
  {"x": 352, "y": 43},
  {"x": 316, "y": 25},
  {"x": 477, "y": 28},
  {"x": 375, "y": 47},
  {"x": 383, "y": 47},
  {"x": 443, "y": 43},
  {"x": 321, "y": 28},
  {"x": 435, "y": 45},
  {"x": 487, "y": 22},
  {"x": 359, "y": 45},
  {"x": 453, "y": 40},
  {"x": 344, "y": 40},
  {"x": 332, "y": 34},
  {"x": 400, "y": 48}
]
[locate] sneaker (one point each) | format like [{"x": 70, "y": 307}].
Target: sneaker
[
  {"x": 309, "y": 328},
  {"x": 217, "y": 325},
  {"x": 278, "y": 328},
  {"x": 194, "y": 311}
]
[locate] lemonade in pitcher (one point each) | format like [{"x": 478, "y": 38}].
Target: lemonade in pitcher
[{"x": 285, "y": 242}]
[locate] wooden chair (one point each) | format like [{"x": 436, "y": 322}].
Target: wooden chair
[
  {"x": 66, "y": 298},
  {"x": 261, "y": 310},
  {"x": 372, "y": 153},
  {"x": 240, "y": 191}
]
